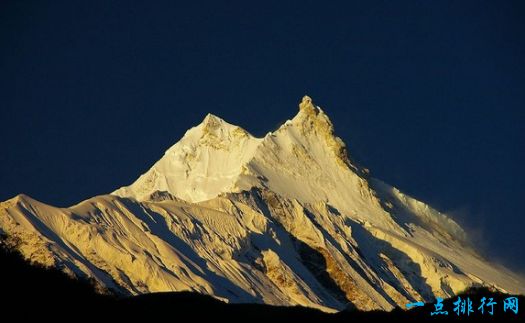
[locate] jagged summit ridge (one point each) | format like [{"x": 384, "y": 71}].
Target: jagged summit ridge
[
  {"x": 303, "y": 160},
  {"x": 287, "y": 219},
  {"x": 200, "y": 166},
  {"x": 214, "y": 154}
]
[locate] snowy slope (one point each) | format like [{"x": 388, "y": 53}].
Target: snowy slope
[
  {"x": 204, "y": 163},
  {"x": 285, "y": 219}
]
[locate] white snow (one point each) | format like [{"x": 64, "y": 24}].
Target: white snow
[
  {"x": 286, "y": 219},
  {"x": 204, "y": 163}
]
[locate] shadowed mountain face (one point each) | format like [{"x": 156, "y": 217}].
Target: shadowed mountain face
[
  {"x": 53, "y": 295},
  {"x": 288, "y": 219}
]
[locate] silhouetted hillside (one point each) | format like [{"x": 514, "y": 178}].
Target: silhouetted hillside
[
  {"x": 23, "y": 284},
  {"x": 35, "y": 292}
]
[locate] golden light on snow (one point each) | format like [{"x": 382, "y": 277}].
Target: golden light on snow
[{"x": 285, "y": 219}]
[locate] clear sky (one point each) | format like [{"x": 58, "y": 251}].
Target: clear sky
[{"x": 427, "y": 94}]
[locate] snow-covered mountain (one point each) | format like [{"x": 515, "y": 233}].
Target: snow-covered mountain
[{"x": 285, "y": 219}]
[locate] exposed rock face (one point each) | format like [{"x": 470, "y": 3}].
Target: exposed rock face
[{"x": 286, "y": 219}]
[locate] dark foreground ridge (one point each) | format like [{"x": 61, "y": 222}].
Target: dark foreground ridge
[{"x": 34, "y": 292}]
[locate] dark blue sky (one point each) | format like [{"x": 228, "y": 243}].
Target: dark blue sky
[{"x": 427, "y": 94}]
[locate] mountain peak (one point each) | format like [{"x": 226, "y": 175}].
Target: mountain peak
[
  {"x": 217, "y": 129},
  {"x": 307, "y": 108},
  {"x": 216, "y": 156},
  {"x": 212, "y": 121},
  {"x": 248, "y": 219},
  {"x": 211, "y": 117},
  {"x": 311, "y": 115},
  {"x": 306, "y": 103}
]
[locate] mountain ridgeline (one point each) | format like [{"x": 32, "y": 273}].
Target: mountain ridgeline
[
  {"x": 52, "y": 294},
  {"x": 287, "y": 220}
]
